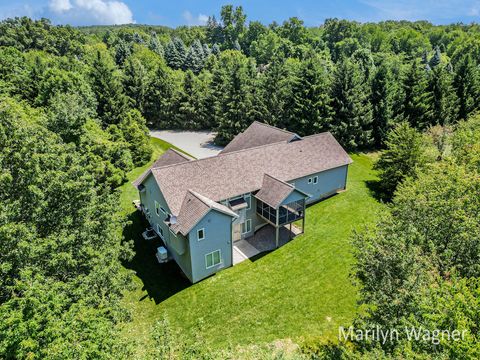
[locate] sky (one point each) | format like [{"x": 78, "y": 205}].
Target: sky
[{"x": 194, "y": 12}]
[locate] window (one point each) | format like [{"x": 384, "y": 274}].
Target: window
[
  {"x": 248, "y": 199},
  {"x": 200, "y": 234},
  {"x": 163, "y": 210},
  {"x": 315, "y": 179},
  {"x": 213, "y": 258},
  {"x": 247, "y": 226},
  {"x": 157, "y": 208},
  {"x": 160, "y": 231},
  {"x": 309, "y": 180}
]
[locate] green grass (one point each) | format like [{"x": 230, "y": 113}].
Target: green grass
[{"x": 300, "y": 291}]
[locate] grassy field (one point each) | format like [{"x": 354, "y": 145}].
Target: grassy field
[{"x": 300, "y": 291}]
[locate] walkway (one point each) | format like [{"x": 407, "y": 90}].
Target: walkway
[{"x": 196, "y": 143}]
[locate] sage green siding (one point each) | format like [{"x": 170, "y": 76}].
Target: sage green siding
[
  {"x": 329, "y": 182},
  {"x": 177, "y": 245},
  {"x": 218, "y": 235}
]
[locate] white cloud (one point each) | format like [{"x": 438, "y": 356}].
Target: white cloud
[
  {"x": 191, "y": 20},
  {"x": 90, "y": 12},
  {"x": 59, "y": 6}
]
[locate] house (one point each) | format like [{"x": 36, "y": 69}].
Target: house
[{"x": 264, "y": 177}]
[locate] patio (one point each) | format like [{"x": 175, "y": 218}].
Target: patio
[{"x": 263, "y": 240}]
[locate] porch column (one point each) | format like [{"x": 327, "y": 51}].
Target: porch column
[
  {"x": 276, "y": 228},
  {"x": 303, "y": 218},
  {"x": 290, "y": 231}
]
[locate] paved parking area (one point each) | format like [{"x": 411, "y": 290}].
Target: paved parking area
[{"x": 197, "y": 143}]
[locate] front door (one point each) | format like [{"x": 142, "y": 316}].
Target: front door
[{"x": 237, "y": 232}]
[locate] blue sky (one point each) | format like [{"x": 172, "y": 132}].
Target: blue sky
[{"x": 191, "y": 12}]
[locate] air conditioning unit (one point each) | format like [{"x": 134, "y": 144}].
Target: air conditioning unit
[{"x": 162, "y": 254}]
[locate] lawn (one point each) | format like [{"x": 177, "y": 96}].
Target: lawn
[{"x": 300, "y": 291}]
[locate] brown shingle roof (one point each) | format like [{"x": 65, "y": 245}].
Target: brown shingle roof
[
  {"x": 274, "y": 191},
  {"x": 235, "y": 173},
  {"x": 194, "y": 208},
  {"x": 257, "y": 134},
  {"x": 169, "y": 157}
]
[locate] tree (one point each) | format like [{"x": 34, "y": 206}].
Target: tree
[
  {"x": 159, "y": 97},
  {"x": 68, "y": 114},
  {"x": 309, "y": 108},
  {"x": 443, "y": 98},
  {"x": 60, "y": 284},
  {"x": 195, "y": 57},
  {"x": 404, "y": 154},
  {"x": 136, "y": 82},
  {"x": 155, "y": 45},
  {"x": 106, "y": 84},
  {"x": 122, "y": 52},
  {"x": 466, "y": 84},
  {"x": 352, "y": 122},
  {"x": 436, "y": 58},
  {"x": 382, "y": 99},
  {"x": 135, "y": 133},
  {"x": 416, "y": 107},
  {"x": 175, "y": 53},
  {"x": 233, "y": 21},
  {"x": 234, "y": 100}
]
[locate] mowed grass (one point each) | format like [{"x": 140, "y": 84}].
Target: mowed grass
[{"x": 300, "y": 291}]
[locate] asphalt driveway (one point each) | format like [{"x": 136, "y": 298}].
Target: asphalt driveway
[{"x": 196, "y": 143}]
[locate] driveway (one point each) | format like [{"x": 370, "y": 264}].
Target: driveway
[{"x": 196, "y": 143}]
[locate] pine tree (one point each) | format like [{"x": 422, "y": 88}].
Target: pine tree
[
  {"x": 382, "y": 99},
  {"x": 216, "y": 49},
  {"x": 191, "y": 110},
  {"x": 236, "y": 46},
  {"x": 159, "y": 98},
  {"x": 206, "y": 50},
  {"x": 436, "y": 58},
  {"x": 155, "y": 45},
  {"x": 136, "y": 82},
  {"x": 234, "y": 105},
  {"x": 195, "y": 57},
  {"x": 309, "y": 108},
  {"x": 122, "y": 52},
  {"x": 416, "y": 103},
  {"x": 175, "y": 53},
  {"x": 352, "y": 122},
  {"x": 106, "y": 84},
  {"x": 274, "y": 92},
  {"x": 443, "y": 98},
  {"x": 466, "y": 83}
]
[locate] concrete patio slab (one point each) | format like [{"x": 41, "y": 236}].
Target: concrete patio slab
[{"x": 242, "y": 250}]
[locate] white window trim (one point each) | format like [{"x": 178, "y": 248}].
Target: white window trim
[
  {"x": 211, "y": 253},
  {"x": 160, "y": 231},
  {"x": 157, "y": 208},
  {"x": 315, "y": 179},
  {"x": 248, "y": 200},
  {"x": 163, "y": 210},
  {"x": 198, "y": 237},
  {"x": 310, "y": 180},
  {"x": 246, "y": 222}
]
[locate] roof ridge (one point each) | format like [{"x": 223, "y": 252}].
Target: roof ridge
[
  {"x": 185, "y": 156},
  {"x": 279, "y": 180},
  {"x": 273, "y": 127},
  {"x": 200, "y": 196},
  {"x": 241, "y": 150}
]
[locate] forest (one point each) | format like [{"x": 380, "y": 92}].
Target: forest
[{"x": 76, "y": 105}]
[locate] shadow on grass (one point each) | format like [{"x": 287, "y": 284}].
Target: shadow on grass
[
  {"x": 160, "y": 281},
  {"x": 376, "y": 190}
]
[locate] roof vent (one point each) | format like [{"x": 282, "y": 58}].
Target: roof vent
[{"x": 173, "y": 219}]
